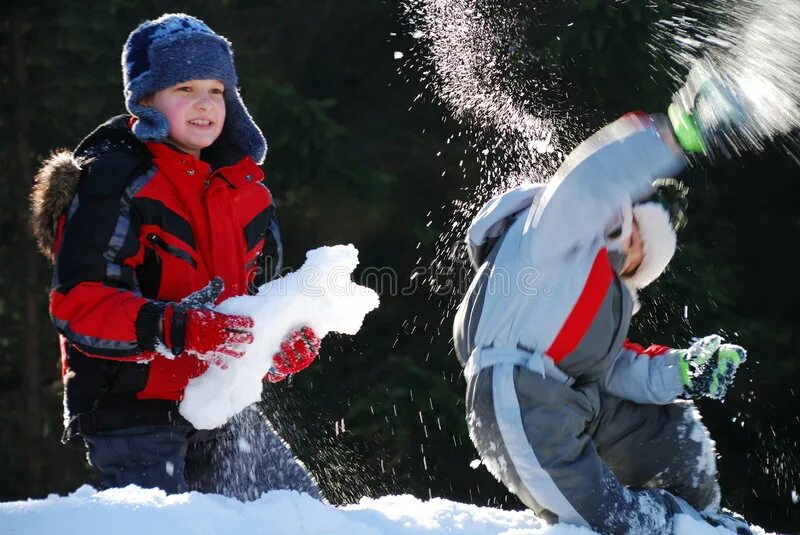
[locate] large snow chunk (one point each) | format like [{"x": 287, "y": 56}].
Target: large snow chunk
[{"x": 320, "y": 295}]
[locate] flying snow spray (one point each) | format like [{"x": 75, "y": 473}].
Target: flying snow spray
[
  {"x": 745, "y": 90},
  {"x": 736, "y": 68}
]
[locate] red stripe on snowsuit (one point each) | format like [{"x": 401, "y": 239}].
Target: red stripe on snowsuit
[
  {"x": 653, "y": 351},
  {"x": 585, "y": 309}
]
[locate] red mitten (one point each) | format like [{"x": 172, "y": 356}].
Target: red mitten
[
  {"x": 209, "y": 332},
  {"x": 192, "y": 327},
  {"x": 298, "y": 351}
]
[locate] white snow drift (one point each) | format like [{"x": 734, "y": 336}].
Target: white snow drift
[{"x": 135, "y": 511}]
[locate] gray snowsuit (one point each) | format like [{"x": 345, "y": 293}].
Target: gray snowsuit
[{"x": 581, "y": 424}]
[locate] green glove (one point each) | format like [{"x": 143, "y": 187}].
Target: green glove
[
  {"x": 686, "y": 130},
  {"x": 708, "y": 367},
  {"x": 711, "y": 114}
]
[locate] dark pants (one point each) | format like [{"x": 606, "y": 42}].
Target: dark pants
[{"x": 242, "y": 459}]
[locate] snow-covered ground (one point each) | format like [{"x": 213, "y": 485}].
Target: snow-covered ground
[{"x": 138, "y": 511}]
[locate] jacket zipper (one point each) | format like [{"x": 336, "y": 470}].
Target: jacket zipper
[{"x": 158, "y": 241}]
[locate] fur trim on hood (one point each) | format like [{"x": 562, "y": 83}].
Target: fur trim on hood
[
  {"x": 56, "y": 181},
  {"x": 54, "y": 187}
]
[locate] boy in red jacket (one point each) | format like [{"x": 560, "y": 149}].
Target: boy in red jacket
[{"x": 154, "y": 218}]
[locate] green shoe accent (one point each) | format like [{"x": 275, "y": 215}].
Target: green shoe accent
[{"x": 686, "y": 130}]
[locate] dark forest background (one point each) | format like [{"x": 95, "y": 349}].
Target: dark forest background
[{"x": 353, "y": 159}]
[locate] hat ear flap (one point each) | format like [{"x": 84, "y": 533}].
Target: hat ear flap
[
  {"x": 240, "y": 128},
  {"x": 152, "y": 125}
]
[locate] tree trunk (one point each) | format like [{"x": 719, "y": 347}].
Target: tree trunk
[{"x": 31, "y": 370}]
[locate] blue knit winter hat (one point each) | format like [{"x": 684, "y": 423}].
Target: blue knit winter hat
[{"x": 175, "y": 48}]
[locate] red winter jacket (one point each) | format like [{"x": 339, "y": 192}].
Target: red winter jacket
[{"x": 149, "y": 222}]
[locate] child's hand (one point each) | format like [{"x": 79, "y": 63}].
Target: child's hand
[
  {"x": 708, "y": 367},
  {"x": 191, "y": 326},
  {"x": 214, "y": 336},
  {"x": 298, "y": 351}
]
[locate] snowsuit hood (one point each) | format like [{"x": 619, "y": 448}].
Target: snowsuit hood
[{"x": 495, "y": 217}]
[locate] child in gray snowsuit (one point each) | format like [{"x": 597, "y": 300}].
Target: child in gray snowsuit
[{"x": 581, "y": 424}]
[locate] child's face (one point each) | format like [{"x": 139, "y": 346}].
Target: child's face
[
  {"x": 634, "y": 251},
  {"x": 195, "y": 111}
]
